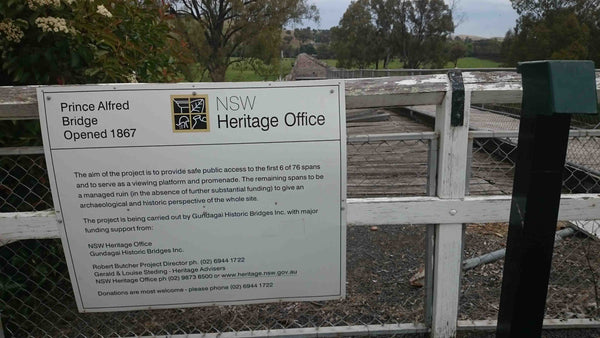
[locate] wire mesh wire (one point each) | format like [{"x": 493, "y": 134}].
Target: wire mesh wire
[
  {"x": 36, "y": 298},
  {"x": 24, "y": 184},
  {"x": 388, "y": 168},
  {"x": 574, "y": 286},
  {"x": 574, "y": 282},
  {"x": 494, "y": 158}
]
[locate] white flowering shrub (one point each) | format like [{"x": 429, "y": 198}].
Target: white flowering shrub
[{"x": 88, "y": 41}]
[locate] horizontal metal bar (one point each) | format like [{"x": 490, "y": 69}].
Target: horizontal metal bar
[
  {"x": 383, "y": 329},
  {"x": 549, "y": 324},
  {"x": 392, "y": 137},
  {"x": 333, "y": 331},
  {"x": 494, "y": 134},
  {"x": 515, "y": 133},
  {"x": 11, "y": 151}
]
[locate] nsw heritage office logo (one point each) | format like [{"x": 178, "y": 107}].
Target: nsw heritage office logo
[{"x": 189, "y": 113}]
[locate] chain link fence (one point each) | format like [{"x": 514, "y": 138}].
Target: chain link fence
[
  {"x": 36, "y": 298},
  {"x": 574, "y": 281},
  {"x": 24, "y": 183}
]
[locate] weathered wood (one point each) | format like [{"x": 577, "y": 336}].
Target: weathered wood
[
  {"x": 11, "y": 151},
  {"x": 16, "y": 226},
  {"x": 429, "y": 210},
  {"x": 486, "y": 87},
  {"x": 361, "y": 212},
  {"x": 395, "y": 91},
  {"x": 451, "y": 182},
  {"x": 18, "y": 103}
]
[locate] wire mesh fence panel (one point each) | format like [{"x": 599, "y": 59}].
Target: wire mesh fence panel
[
  {"x": 37, "y": 299},
  {"x": 24, "y": 184},
  {"x": 492, "y": 166},
  {"x": 574, "y": 286},
  {"x": 494, "y": 158},
  {"x": 579, "y": 121},
  {"x": 388, "y": 168},
  {"x": 482, "y": 118},
  {"x": 382, "y": 168},
  {"x": 583, "y": 165}
]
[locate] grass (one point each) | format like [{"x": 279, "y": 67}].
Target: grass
[
  {"x": 244, "y": 71},
  {"x": 476, "y": 63}
]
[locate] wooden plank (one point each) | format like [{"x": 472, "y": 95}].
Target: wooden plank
[
  {"x": 486, "y": 87},
  {"x": 393, "y": 92},
  {"x": 361, "y": 212},
  {"x": 18, "y": 103},
  {"x": 484, "y": 209},
  {"x": 11, "y": 151},
  {"x": 16, "y": 226}
]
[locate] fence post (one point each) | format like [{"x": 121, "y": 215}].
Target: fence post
[
  {"x": 451, "y": 181},
  {"x": 432, "y": 162}
]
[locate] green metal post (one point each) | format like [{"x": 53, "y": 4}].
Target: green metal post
[{"x": 552, "y": 92}]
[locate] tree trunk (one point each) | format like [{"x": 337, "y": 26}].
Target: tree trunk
[{"x": 217, "y": 74}]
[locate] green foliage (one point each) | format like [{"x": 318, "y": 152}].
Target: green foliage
[
  {"x": 456, "y": 49},
  {"x": 308, "y": 49},
  {"x": 429, "y": 25},
  {"x": 248, "y": 70},
  {"x": 354, "y": 39},
  {"x": 239, "y": 28},
  {"x": 486, "y": 49},
  {"x": 373, "y": 30},
  {"x": 87, "y": 42},
  {"x": 567, "y": 29}
]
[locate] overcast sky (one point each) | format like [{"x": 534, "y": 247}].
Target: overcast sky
[{"x": 487, "y": 18}]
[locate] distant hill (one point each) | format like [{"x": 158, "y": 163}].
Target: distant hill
[{"x": 477, "y": 38}]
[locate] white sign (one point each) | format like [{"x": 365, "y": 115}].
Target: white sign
[{"x": 199, "y": 194}]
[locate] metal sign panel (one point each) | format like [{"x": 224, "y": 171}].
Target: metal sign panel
[{"x": 183, "y": 195}]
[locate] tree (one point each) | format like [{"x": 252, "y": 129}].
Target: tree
[
  {"x": 456, "y": 50},
  {"x": 390, "y": 17},
  {"x": 353, "y": 40},
  {"x": 303, "y": 34},
  {"x": 372, "y": 30},
  {"x": 429, "y": 23},
  {"x": 50, "y": 42},
  {"x": 247, "y": 28},
  {"x": 554, "y": 29}
]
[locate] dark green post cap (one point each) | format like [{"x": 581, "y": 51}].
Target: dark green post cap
[{"x": 558, "y": 87}]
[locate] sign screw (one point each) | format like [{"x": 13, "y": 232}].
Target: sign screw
[{"x": 453, "y": 212}]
